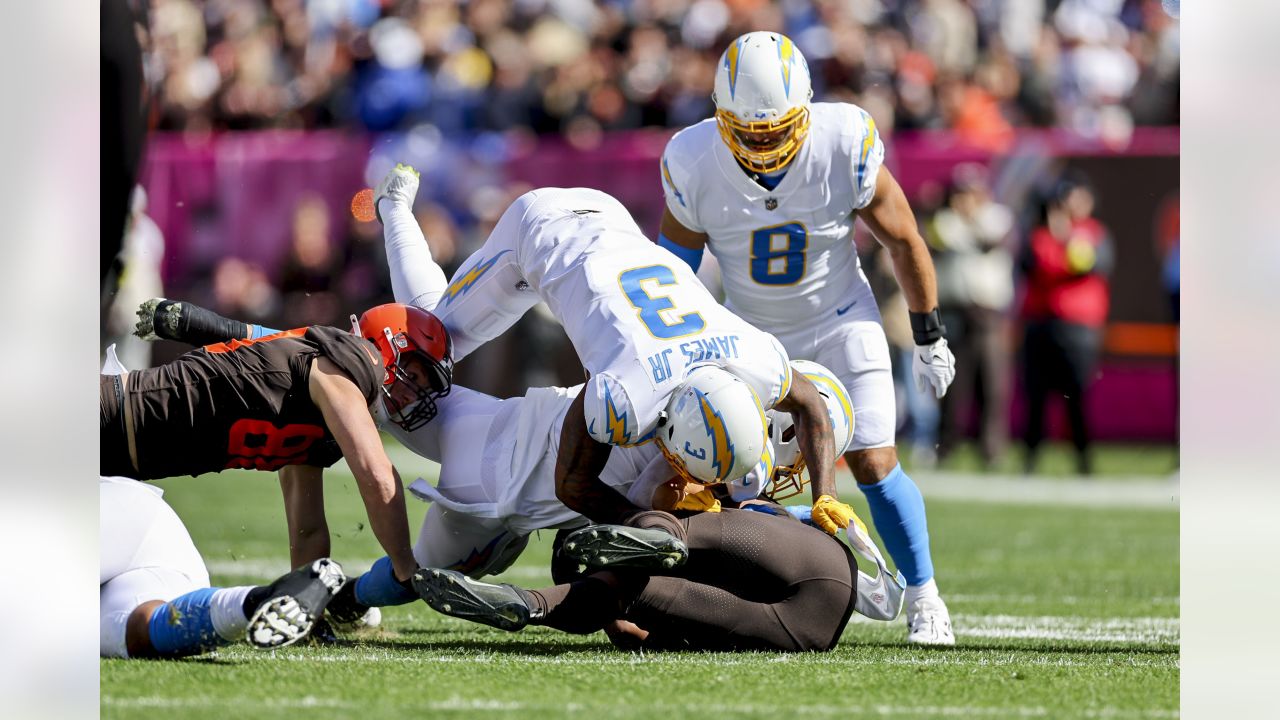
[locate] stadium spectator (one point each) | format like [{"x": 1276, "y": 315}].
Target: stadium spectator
[
  {"x": 573, "y": 68},
  {"x": 1066, "y": 261},
  {"x": 308, "y": 281},
  {"x": 975, "y": 290}
]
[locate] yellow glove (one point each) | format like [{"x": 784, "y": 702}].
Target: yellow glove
[
  {"x": 701, "y": 501},
  {"x": 832, "y": 515},
  {"x": 1081, "y": 256}
]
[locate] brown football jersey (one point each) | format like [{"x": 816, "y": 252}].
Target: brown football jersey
[{"x": 244, "y": 404}]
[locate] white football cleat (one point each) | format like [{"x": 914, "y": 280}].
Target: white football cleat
[
  {"x": 929, "y": 623},
  {"x": 400, "y": 186}
]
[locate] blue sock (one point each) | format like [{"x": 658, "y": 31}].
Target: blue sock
[
  {"x": 897, "y": 509},
  {"x": 257, "y": 331},
  {"x": 379, "y": 587},
  {"x": 184, "y": 625}
]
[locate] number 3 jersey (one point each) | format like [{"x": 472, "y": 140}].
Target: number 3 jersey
[
  {"x": 785, "y": 254},
  {"x": 242, "y": 404},
  {"x": 637, "y": 315}
]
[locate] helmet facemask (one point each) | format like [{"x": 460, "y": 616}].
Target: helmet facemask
[
  {"x": 754, "y": 144},
  {"x": 434, "y": 381}
]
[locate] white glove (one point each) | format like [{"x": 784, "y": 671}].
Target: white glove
[
  {"x": 933, "y": 365},
  {"x": 399, "y": 186}
]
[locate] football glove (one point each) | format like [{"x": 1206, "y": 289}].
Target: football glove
[
  {"x": 702, "y": 501},
  {"x": 400, "y": 185},
  {"x": 832, "y": 516},
  {"x": 933, "y": 365}
]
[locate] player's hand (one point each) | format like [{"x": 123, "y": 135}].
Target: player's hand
[
  {"x": 701, "y": 501},
  {"x": 832, "y": 516},
  {"x": 400, "y": 186},
  {"x": 933, "y": 365}
]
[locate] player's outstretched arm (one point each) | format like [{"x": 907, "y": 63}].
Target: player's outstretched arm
[
  {"x": 682, "y": 242},
  {"x": 818, "y": 446},
  {"x": 894, "y": 225},
  {"x": 347, "y": 415},
  {"x": 303, "y": 490},
  {"x": 579, "y": 463}
]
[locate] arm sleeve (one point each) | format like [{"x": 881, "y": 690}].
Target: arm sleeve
[
  {"x": 675, "y": 186},
  {"x": 416, "y": 279},
  {"x": 868, "y": 156},
  {"x": 691, "y": 257}
]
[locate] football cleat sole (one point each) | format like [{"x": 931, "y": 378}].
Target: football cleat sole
[
  {"x": 456, "y": 595},
  {"x": 146, "y": 326},
  {"x": 620, "y": 546},
  {"x": 296, "y": 602}
]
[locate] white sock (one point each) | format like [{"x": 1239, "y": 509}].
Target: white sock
[
  {"x": 226, "y": 610},
  {"x": 416, "y": 279},
  {"x": 920, "y": 592}
]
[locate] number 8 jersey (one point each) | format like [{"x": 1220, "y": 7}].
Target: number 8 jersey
[
  {"x": 637, "y": 316},
  {"x": 785, "y": 254}
]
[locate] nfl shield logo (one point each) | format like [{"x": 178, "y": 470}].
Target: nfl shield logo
[{"x": 771, "y": 204}]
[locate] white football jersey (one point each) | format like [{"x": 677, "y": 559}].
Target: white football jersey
[
  {"x": 498, "y": 457},
  {"x": 636, "y": 314},
  {"x": 786, "y": 255}
]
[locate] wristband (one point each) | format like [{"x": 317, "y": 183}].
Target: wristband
[{"x": 927, "y": 328}]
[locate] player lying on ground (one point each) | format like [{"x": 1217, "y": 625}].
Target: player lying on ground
[
  {"x": 154, "y": 594},
  {"x": 752, "y": 582},
  {"x": 301, "y": 399},
  {"x": 665, "y": 360},
  {"x": 772, "y": 187}
]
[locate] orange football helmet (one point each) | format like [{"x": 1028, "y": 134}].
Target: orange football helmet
[{"x": 404, "y": 332}]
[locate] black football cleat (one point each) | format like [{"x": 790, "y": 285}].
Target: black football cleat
[
  {"x": 186, "y": 323},
  {"x": 452, "y": 593},
  {"x": 294, "y": 603},
  {"x": 621, "y": 546},
  {"x": 158, "y": 318}
]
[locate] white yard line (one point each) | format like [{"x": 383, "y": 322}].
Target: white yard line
[
  {"x": 1148, "y": 493},
  {"x": 780, "y": 710},
  {"x": 1062, "y": 627}
]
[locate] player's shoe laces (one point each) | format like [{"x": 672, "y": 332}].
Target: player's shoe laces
[
  {"x": 929, "y": 622},
  {"x": 610, "y": 546},
  {"x": 293, "y": 604},
  {"x": 400, "y": 185},
  {"x": 452, "y": 593}
]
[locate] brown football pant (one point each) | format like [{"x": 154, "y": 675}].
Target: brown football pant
[{"x": 752, "y": 582}]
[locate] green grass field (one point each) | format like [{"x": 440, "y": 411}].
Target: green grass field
[{"x": 1064, "y": 596}]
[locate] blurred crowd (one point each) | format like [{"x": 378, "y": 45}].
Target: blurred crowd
[{"x": 980, "y": 67}]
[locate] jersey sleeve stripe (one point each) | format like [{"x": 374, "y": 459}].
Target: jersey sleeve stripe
[
  {"x": 868, "y": 142},
  {"x": 666, "y": 177}
]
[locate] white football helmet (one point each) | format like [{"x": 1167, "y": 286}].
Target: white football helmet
[
  {"x": 715, "y": 427},
  {"x": 789, "y": 477},
  {"x": 762, "y": 95}
]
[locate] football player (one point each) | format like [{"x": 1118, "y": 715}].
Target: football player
[
  {"x": 300, "y": 400},
  {"x": 772, "y": 186},
  {"x": 665, "y": 361},
  {"x": 752, "y": 582},
  {"x": 155, "y": 599}
]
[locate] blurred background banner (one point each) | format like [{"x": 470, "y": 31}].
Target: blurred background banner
[{"x": 1038, "y": 141}]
